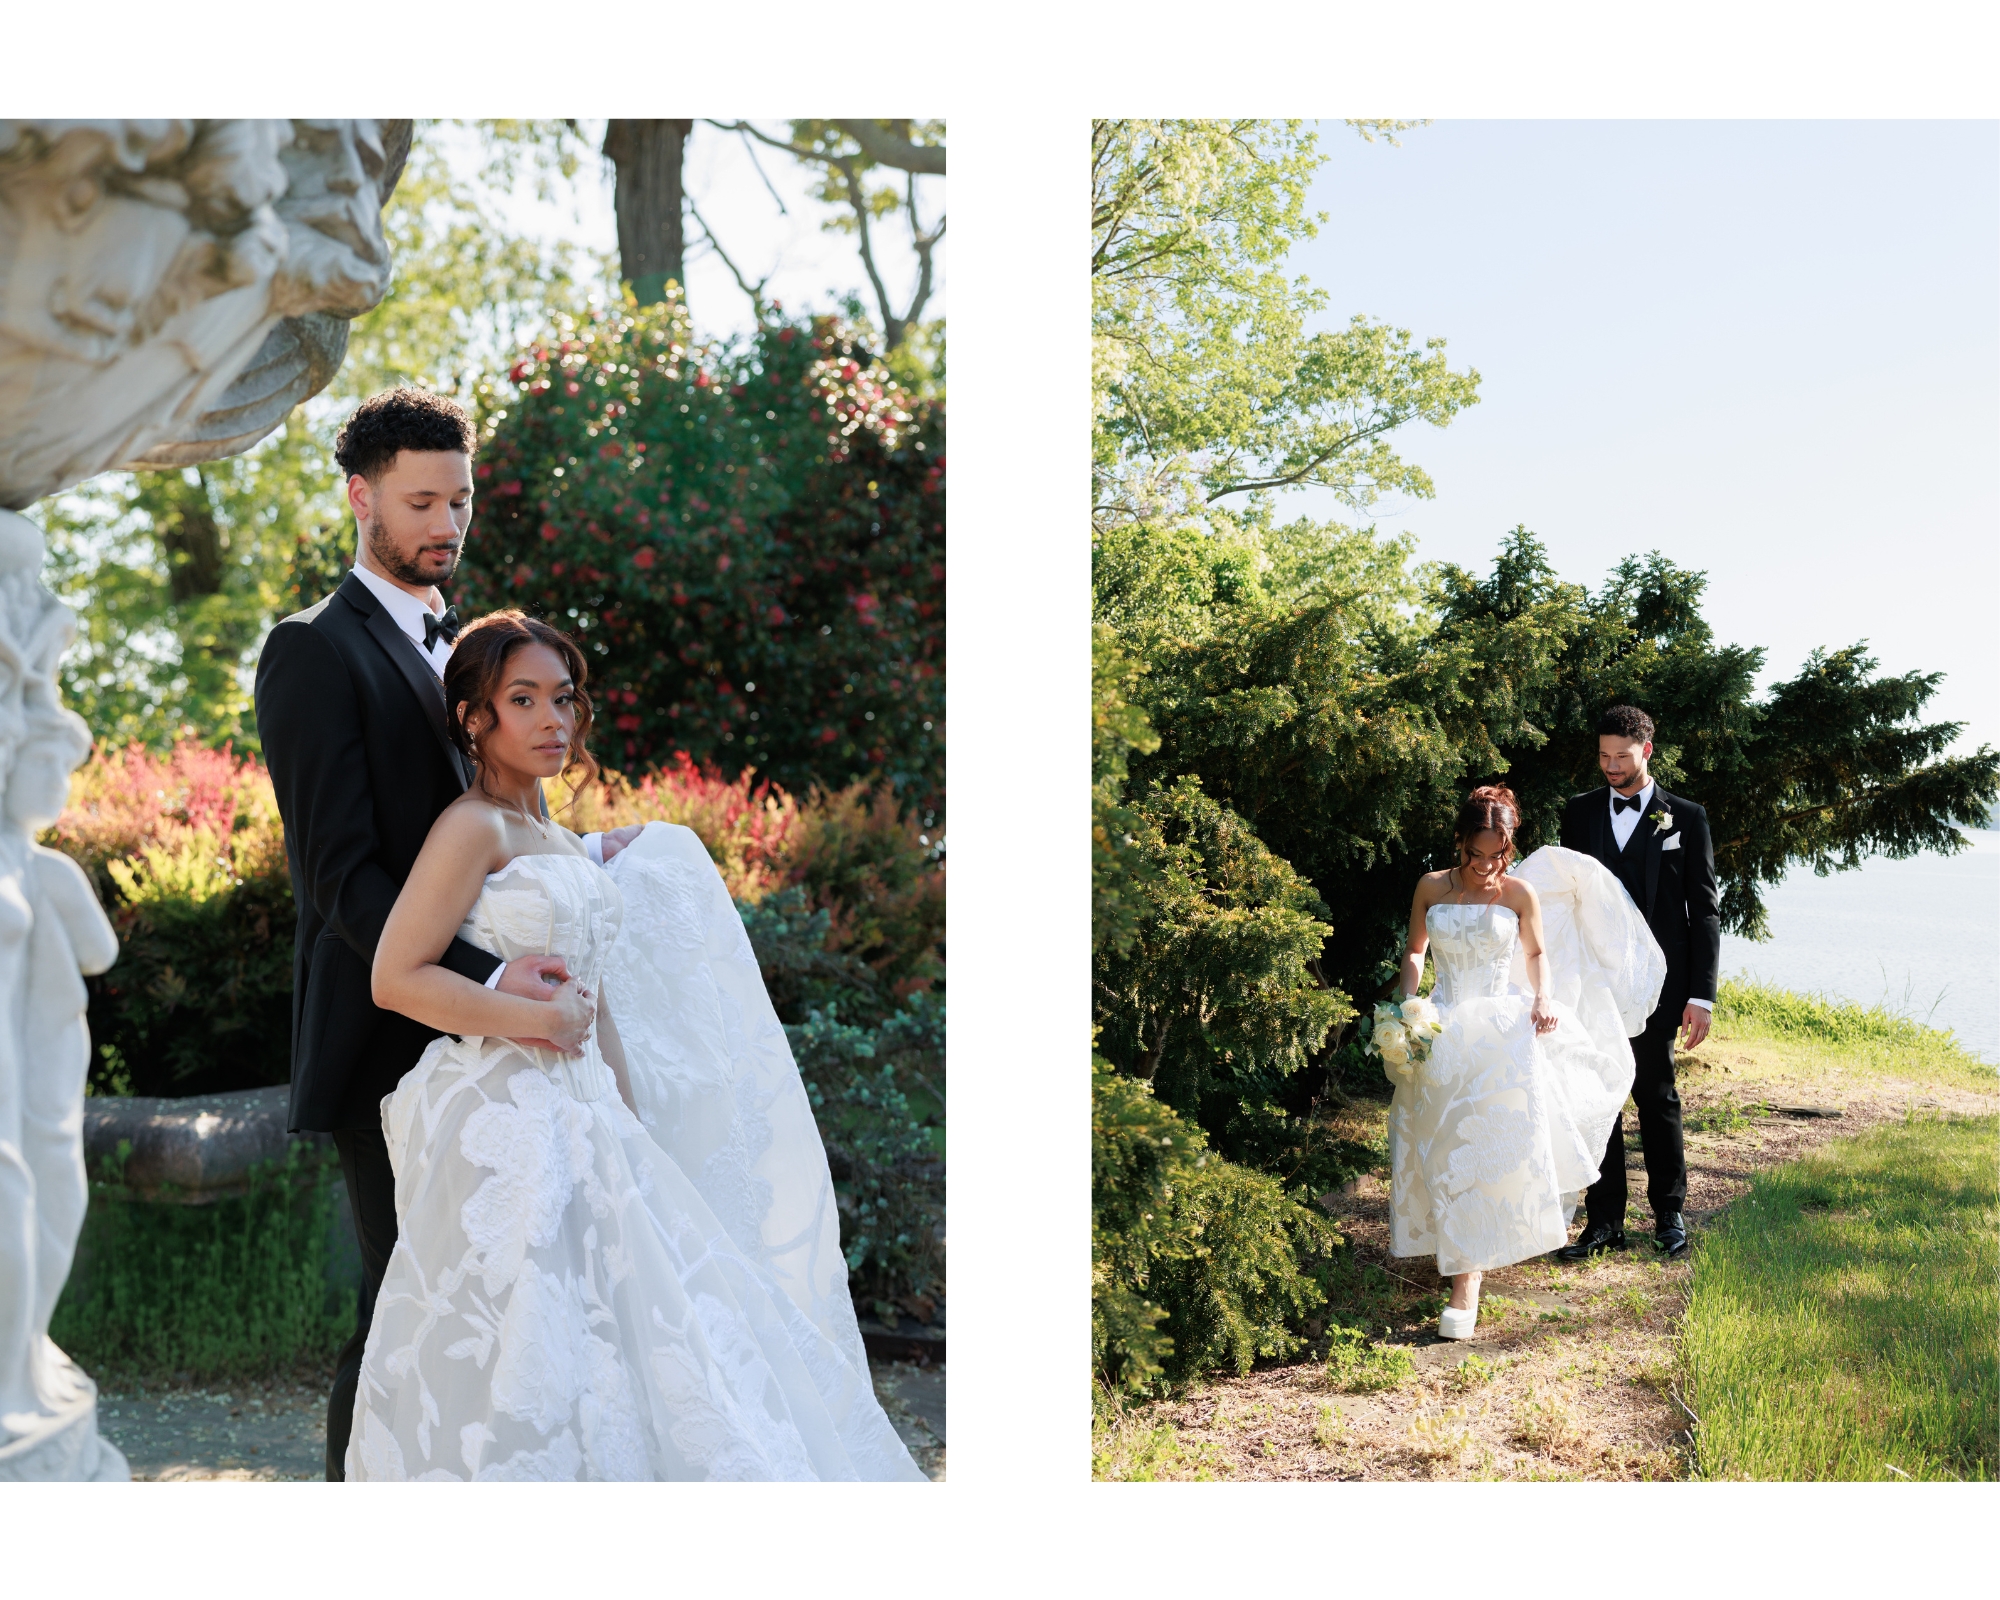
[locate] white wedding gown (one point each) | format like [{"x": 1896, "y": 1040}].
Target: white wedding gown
[
  {"x": 577, "y": 1293},
  {"x": 1493, "y": 1143}
]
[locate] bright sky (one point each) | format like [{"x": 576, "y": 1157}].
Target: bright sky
[
  {"x": 810, "y": 269},
  {"x": 1770, "y": 350}
]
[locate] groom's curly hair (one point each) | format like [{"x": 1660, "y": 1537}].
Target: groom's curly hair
[
  {"x": 477, "y": 671},
  {"x": 1627, "y": 722},
  {"x": 386, "y": 424}
]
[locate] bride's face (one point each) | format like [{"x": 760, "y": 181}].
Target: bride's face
[
  {"x": 1485, "y": 856},
  {"x": 535, "y": 713}
]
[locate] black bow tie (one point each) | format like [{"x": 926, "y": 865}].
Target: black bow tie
[
  {"x": 446, "y": 627},
  {"x": 1618, "y": 801}
]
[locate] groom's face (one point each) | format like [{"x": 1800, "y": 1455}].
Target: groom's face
[
  {"x": 413, "y": 518},
  {"x": 1623, "y": 761}
]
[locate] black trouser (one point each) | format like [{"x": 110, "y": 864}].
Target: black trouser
[
  {"x": 1659, "y": 1106},
  {"x": 371, "y": 1193}
]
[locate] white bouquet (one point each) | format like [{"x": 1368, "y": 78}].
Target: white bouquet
[{"x": 1402, "y": 1035}]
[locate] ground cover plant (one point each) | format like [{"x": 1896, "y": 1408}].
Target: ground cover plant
[
  {"x": 1840, "y": 1321},
  {"x": 237, "y": 1287}
]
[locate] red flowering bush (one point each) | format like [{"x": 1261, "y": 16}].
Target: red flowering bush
[
  {"x": 749, "y": 542},
  {"x": 188, "y": 855}
]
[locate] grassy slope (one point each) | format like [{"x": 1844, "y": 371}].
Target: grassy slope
[
  {"x": 1841, "y": 1317},
  {"x": 1841, "y": 1320}
]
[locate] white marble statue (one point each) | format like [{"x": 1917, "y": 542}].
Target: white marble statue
[
  {"x": 51, "y": 930},
  {"x": 169, "y": 289}
]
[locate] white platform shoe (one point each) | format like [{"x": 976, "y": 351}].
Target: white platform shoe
[{"x": 1453, "y": 1324}]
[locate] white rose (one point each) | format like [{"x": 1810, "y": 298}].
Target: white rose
[
  {"x": 1419, "y": 1013},
  {"x": 1391, "y": 1036}
]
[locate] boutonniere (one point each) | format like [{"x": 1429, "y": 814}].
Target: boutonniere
[{"x": 1661, "y": 818}]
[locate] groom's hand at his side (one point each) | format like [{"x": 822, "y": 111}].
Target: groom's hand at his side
[
  {"x": 534, "y": 978},
  {"x": 1694, "y": 1026}
]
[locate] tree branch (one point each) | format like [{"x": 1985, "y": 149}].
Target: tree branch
[{"x": 885, "y": 149}]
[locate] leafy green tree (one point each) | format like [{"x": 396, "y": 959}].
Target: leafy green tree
[{"x": 1207, "y": 382}]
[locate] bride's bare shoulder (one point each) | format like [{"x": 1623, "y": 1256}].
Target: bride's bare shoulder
[
  {"x": 470, "y": 830},
  {"x": 1517, "y": 894},
  {"x": 1433, "y": 887}
]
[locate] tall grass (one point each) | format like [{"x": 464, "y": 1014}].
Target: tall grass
[
  {"x": 1841, "y": 1320},
  {"x": 1866, "y": 1036}
]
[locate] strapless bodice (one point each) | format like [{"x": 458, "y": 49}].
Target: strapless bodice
[
  {"x": 1473, "y": 947},
  {"x": 560, "y": 905}
]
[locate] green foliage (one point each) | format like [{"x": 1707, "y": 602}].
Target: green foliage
[
  {"x": 748, "y": 541},
  {"x": 1358, "y": 1365},
  {"x": 1207, "y": 381},
  {"x": 1195, "y": 1262},
  {"x": 1750, "y": 1010},
  {"x": 1216, "y": 1000},
  {"x": 1346, "y": 734},
  {"x": 1120, "y": 871},
  {"x": 232, "y": 1288},
  {"x": 887, "y": 1167},
  {"x": 1840, "y": 1318}
]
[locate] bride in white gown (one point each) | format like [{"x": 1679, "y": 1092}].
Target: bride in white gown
[
  {"x": 617, "y": 1254},
  {"x": 1541, "y": 975}
]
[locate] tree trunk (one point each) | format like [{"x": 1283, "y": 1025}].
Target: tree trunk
[
  {"x": 192, "y": 541},
  {"x": 647, "y": 153}
]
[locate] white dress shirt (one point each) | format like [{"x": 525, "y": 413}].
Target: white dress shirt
[
  {"x": 408, "y": 613},
  {"x": 1622, "y": 824}
]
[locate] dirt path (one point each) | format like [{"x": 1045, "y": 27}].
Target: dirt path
[
  {"x": 1571, "y": 1374},
  {"x": 275, "y": 1431}
]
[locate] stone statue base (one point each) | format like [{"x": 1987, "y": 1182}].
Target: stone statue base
[{"x": 60, "y": 1443}]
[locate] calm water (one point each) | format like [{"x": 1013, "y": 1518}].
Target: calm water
[{"x": 1921, "y": 937}]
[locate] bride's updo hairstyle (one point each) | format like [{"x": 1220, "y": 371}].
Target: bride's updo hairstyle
[
  {"x": 477, "y": 672},
  {"x": 1490, "y": 808}
]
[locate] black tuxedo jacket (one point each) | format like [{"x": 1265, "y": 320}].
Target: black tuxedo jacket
[
  {"x": 1682, "y": 904},
  {"x": 353, "y": 723}
]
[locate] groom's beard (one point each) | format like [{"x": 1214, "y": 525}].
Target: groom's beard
[{"x": 391, "y": 561}]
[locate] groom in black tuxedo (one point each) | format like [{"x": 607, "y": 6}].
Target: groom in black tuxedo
[
  {"x": 350, "y": 708},
  {"x": 1657, "y": 845}
]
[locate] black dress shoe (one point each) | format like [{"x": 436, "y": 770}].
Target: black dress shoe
[
  {"x": 1670, "y": 1234},
  {"x": 1597, "y": 1236}
]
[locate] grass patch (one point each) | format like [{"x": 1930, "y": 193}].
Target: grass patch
[
  {"x": 1812, "y": 1028},
  {"x": 234, "y": 1288},
  {"x": 1840, "y": 1319},
  {"x": 1358, "y": 1366},
  {"x": 1127, "y": 1448}
]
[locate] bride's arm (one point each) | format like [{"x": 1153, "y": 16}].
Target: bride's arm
[
  {"x": 612, "y": 1048},
  {"x": 1527, "y": 905},
  {"x": 1419, "y": 940},
  {"x": 440, "y": 890}
]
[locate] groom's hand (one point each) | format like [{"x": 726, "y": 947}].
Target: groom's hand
[
  {"x": 535, "y": 978},
  {"x": 1694, "y": 1026},
  {"x": 617, "y": 839}
]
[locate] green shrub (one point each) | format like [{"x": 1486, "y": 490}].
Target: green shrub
[
  {"x": 231, "y": 1288},
  {"x": 1196, "y": 1263},
  {"x": 749, "y": 541},
  {"x": 887, "y": 1165}
]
